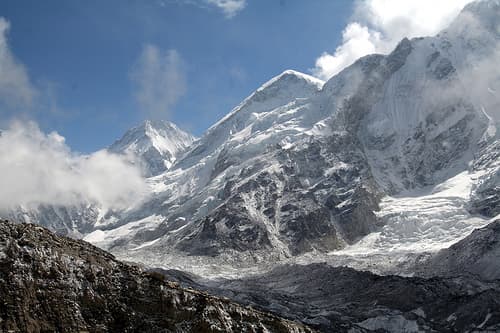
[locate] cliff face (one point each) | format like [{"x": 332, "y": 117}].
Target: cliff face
[
  {"x": 50, "y": 283},
  {"x": 476, "y": 254}
]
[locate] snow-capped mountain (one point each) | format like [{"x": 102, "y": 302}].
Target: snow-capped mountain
[
  {"x": 395, "y": 156},
  {"x": 153, "y": 145},
  {"x": 303, "y": 165}
]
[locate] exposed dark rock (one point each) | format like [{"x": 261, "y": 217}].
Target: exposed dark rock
[
  {"x": 340, "y": 299},
  {"x": 477, "y": 254},
  {"x": 50, "y": 283}
]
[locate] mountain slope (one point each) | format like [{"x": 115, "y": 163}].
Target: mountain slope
[
  {"x": 153, "y": 145},
  {"x": 255, "y": 190},
  {"x": 54, "y": 284}
]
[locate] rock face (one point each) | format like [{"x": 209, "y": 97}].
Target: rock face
[
  {"x": 50, "y": 283},
  {"x": 477, "y": 254},
  {"x": 486, "y": 193},
  {"x": 340, "y": 299}
]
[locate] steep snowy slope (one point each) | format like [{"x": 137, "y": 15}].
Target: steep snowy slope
[
  {"x": 433, "y": 111},
  {"x": 153, "y": 145},
  {"x": 302, "y": 165}
]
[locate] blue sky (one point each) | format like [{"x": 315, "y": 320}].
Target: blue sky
[{"x": 81, "y": 56}]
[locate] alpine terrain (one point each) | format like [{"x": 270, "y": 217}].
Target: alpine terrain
[
  {"x": 393, "y": 158},
  {"x": 369, "y": 202}
]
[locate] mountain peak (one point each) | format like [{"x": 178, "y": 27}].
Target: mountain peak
[
  {"x": 278, "y": 91},
  {"x": 154, "y": 144},
  {"x": 292, "y": 76}
]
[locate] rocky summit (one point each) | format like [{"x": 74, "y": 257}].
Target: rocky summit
[{"x": 50, "y": 283}]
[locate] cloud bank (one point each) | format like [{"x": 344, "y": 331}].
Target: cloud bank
[
  {"x": 38, "y": 168},
  {"x": 378, "y": 25},
  {"x": 15, "y": 86},
  {"x": 159, "y": 80}
]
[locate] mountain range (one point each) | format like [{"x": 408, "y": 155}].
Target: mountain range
[
  {"x": 397, "y": 151},
  {"x": 390, "y": 166}
]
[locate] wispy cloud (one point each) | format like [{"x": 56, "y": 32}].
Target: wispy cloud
[
  {"x": 229, "y": 7},
  {"x": 378, "y": 25},
  {"x": 16, "y": 88},
  {"x": 159, "y": 80},
  {"x": 41, "y": 169}
]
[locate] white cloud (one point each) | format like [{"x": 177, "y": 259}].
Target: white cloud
[
  {"x": 160, "y": 81},
  {"x": 229, "y": 7},
  {"x": 378, "y": 25},
  {"x": 38, "y": 168},
  {"x": 15, "y": 86}
]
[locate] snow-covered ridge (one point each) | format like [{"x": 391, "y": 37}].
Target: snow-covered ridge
[
  {"x": 288, "y": 88},
  {"x": 284, "y": 81}
]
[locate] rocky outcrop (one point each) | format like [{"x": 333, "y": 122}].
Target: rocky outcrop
[
  {"x": 485, "y": 198},
  {"x": 50, "y": 283},
  {"x": 477, "y": 254}
]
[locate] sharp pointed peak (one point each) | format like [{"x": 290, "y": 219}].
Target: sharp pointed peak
[{"x": 291, "y": 74}]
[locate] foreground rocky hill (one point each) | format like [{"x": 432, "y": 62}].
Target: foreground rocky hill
[{"x": 50, "y": 283}]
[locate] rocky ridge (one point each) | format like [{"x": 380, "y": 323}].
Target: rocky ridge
[{"x": 50, "y": 283}]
